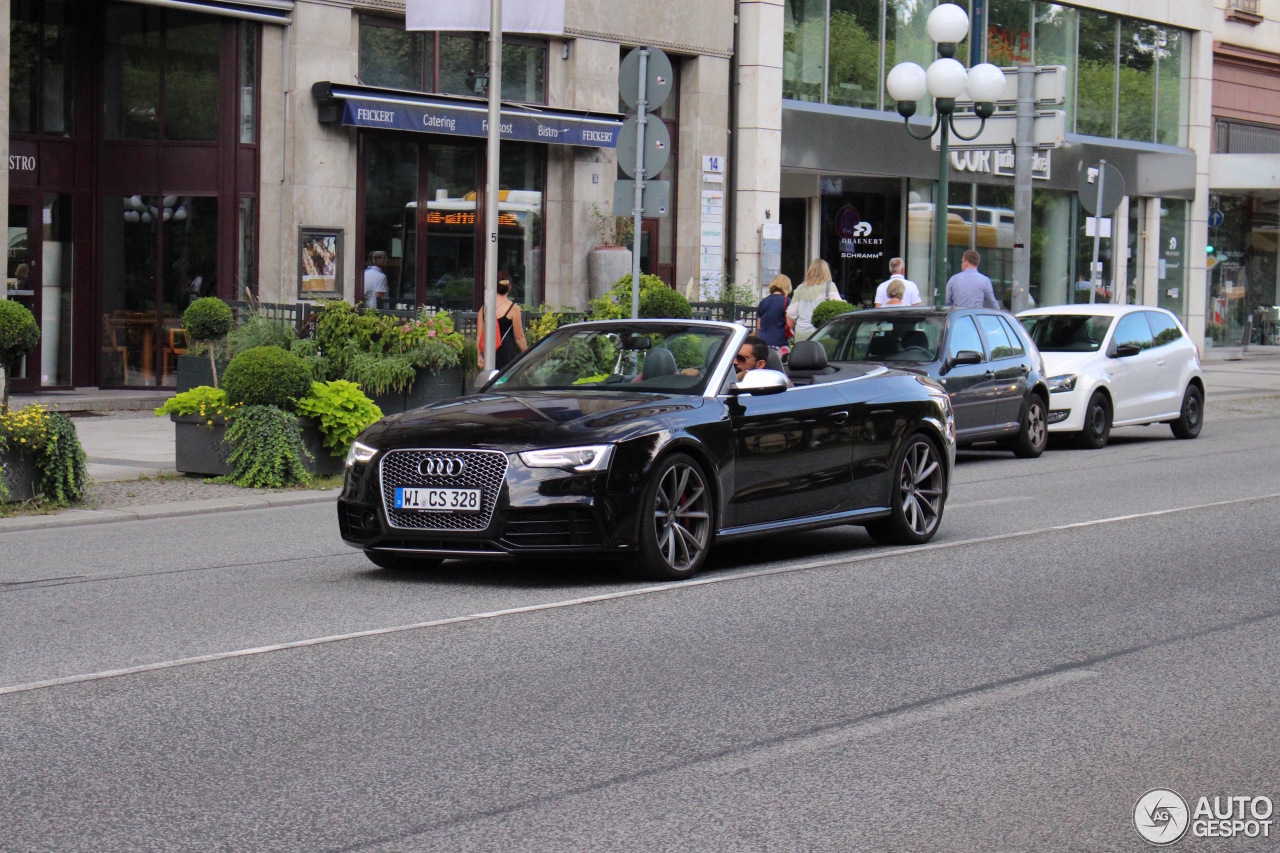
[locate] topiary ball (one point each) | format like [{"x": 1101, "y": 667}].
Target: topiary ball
[
  {"x": 207, "y": 319},
  {"x": 828, "y": 309},
  {"x": 664, "y": 302},
  {"x": 266, "y": 376},
  {"x": 19, "y": 333}
]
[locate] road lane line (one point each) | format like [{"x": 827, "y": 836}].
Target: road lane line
[
  {"x": 893, "y": 720},
  {"x": 612, "y": 596}
]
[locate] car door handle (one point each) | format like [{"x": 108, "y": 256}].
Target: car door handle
[
  {"x": 1023, "y": 369},
  {"x": 1160, "y": 362},
  {"x": 839, "y": 417},
  {"x": 990, "y": 374}
]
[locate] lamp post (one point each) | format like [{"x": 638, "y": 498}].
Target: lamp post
[{"x": 946, "y": 80}]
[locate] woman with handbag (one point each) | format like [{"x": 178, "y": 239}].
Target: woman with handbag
[
  {"x": 771, "y": 314},
  {"x": 816, "y": 289},
  {"x": 510, "y": 327}
]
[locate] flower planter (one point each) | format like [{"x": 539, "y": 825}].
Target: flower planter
[
  {"x": 428, "y": 387},
  {"x": 21, "y": 476},
  {"x": 199, "y": 448},
  {"x": 322, "y": 463},
  {"x": 193, "y": 371}
]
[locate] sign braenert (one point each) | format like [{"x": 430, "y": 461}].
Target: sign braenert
[{"x": 1000, "y": 161}]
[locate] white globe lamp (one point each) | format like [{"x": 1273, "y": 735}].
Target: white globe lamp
[
  {"x": 948, "y": 24},
  {"x": 945, "y": 78},
  {"x": 906, "y": 85},
  {"x": 985, "y": 83}
]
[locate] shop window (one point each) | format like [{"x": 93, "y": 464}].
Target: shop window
[
  {"x": 1172, "y": 90},
  {"x": 191, "y": 58},
  {"x": 463, "y": 60},
  {"x": 1051, "y": 255},
  {"x": 855, "y": 53},
  {"x": 161, "y": 63},
  {"x": 1055, "y": 44},
  {"x": 1140, "y": 44},
  {"x": 246, "y": 260},
  {"x": 391, "y": 56},
  {"x": 1096, "y": 74},
  {"x": 522, "y": 177},
  {"x": 907, "y": 40},
  {"x": 248, "y": 83},
  {"x": 41, "y": 87},
  {"x": 391, "y": 210},
  {"x": 452, "y": 223},
  {"x": 1009, "y": 32},
  {"x": 804, "y": 43}
]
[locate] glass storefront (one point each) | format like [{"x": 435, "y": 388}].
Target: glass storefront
[
  {"x": 446, "y": 236},
  {"x": 40, "y": 268},
  {"x": 1126, "y": 76},
  {"x": 861, "y": 230},
  {"x": 1244, "y": 271}
]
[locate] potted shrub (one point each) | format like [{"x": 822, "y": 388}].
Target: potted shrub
[
  {"x": 271, "y": 426},
  {"x": 829, "y": 308},
  {"x": 207, "y": 321},
  {"x": 611, "y": 257},
  {"x": 19, "y": 335},
  {"x": 41, "y": 457},
  {"x": 401, "y": 364},
  {"x": 1213, "y": 334}
]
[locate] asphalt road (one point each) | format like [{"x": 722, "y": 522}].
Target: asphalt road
[{"x": 1086, "y": 627}]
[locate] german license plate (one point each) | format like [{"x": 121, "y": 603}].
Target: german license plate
[{"x": 438, "y": 500}]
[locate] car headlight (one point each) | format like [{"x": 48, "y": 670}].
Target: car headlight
[
  {"x": 593, "y": 457},
  {"x": 1065, "y": 382},
  {"x": 360, "y": 453}
]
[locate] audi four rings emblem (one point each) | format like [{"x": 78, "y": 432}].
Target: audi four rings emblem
[{"x": 441, "y": 466}]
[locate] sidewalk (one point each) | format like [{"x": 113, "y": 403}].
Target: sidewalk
[{"x": 131, "y": 450}]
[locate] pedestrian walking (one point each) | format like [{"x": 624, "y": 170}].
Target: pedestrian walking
[
  {"x": 911, "y": 292},
  {"x": 816, "y": 288},
  {"x": 771, "y": 313},
  {"x": 970, "y": 288},
  {"x": 509, "y": 327}
]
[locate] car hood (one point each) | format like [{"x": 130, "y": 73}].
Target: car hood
[
  {"x": 1058, "y": 363},
  {"x": 521, "y": 421}
]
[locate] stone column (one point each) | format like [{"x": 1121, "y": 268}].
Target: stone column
[
  {"x": 1199, "y": 139},
  {"x": 757, "y": 138}
]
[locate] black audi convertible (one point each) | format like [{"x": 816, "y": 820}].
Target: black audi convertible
[{"x": 635, "y": 439}]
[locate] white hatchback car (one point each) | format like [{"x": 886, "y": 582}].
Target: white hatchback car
[{"x": 1117, "y": 365}]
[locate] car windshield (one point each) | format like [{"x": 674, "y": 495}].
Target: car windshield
[
  {"x": 1067, "y": 332},
  {"x": 892, "y": 339},
  {"x": 669, "y": 357}
]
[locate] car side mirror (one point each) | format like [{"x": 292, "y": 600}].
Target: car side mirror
[
  {"x": 965, "y": 356},
  {"x": 482, "y": 379},
  {"x": 759, "y": 383},
  {"x": 1126, "y": 350}
]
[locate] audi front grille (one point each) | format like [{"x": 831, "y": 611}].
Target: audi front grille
[{"x": 481, "y": 469}]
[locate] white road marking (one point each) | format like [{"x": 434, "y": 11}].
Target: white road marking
[
  {"x": 613, "y": 596},
  {"x": 881, "y": 724}
]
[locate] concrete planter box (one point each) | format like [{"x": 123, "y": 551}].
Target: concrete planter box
[
  {"x": 605, "y": 265},
  {"x": 200, "y": 449},
  {"x": 21, "y": 476},
  {"x": 193, "y": 371},
  {"x": 428, "y": 387}
]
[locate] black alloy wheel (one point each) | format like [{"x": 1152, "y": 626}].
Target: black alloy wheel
[
  {"x": 676, "y": 520},
  {"x": 402, "y": 562},
  {"x": 1097, "y": 422},
  {"x": 1034, "y": 435},
  {"x": 919, "y": 493},
  {"x": 1192, "y": 416}
]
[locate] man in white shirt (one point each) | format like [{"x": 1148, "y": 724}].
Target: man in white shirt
[
  {"x": 375, "y": 280},
  {"x": 911, "y": 293}
]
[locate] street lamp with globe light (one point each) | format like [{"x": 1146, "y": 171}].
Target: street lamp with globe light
[{"x": 946, "y": 80}]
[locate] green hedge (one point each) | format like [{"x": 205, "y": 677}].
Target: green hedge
[
  {"x": 267, "y": 376},
  {"x": 830, "y": 308}
]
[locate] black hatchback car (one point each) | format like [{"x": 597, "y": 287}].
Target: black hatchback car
[{"x": 992, "y": 371}]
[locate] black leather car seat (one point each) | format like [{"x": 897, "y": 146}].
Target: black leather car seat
[
  {"x": 881, "y": 344},
  {"x": 808, "y": 360},
  {"x": 659, "y": 362},
  {"x": 915, "y": 338},
  {"x": 774, "y": 361}
]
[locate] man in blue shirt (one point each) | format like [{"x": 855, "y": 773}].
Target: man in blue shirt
[{"x": 970, "y": 288}]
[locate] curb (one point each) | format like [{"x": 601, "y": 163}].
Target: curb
[{"x": 149, "y": 512}]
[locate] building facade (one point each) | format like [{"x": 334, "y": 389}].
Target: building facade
[{"x": 161, "y": 150}]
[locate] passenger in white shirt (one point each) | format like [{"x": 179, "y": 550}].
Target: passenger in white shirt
[{"x": 911, "y": 293}]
